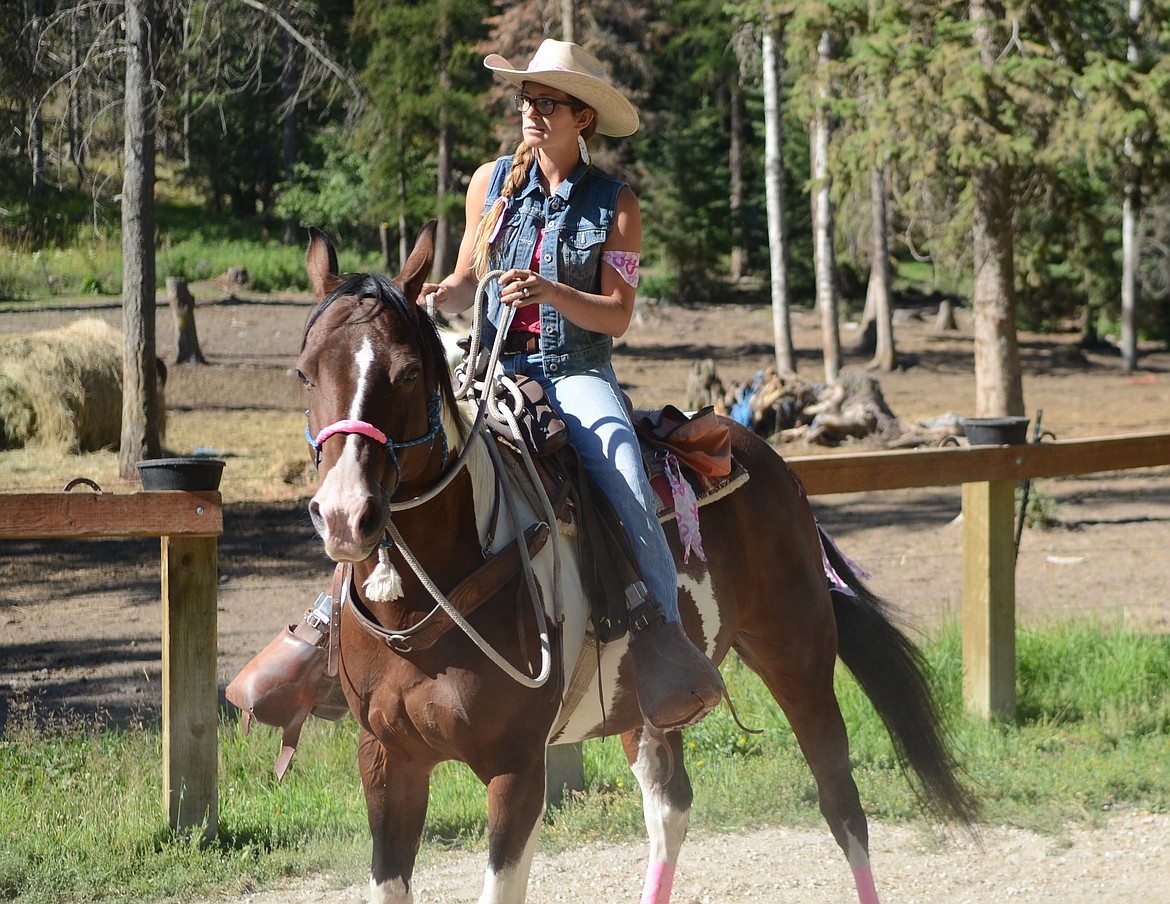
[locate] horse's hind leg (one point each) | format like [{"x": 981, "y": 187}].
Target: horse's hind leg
[
  {"x": 396, "y": 802},
  {"x": 657, "y": 763},
  {"x": 798, "y": 670}
]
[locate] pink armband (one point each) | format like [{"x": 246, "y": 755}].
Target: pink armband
[{"x": 626, "y": 264}]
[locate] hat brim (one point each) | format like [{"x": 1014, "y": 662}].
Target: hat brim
[{"x": 616, "y": 116}]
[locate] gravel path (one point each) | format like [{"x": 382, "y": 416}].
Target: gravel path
[{"x": 1125, "y": 860}]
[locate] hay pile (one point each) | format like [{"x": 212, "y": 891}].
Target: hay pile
[{"x": 62, "y": 389}]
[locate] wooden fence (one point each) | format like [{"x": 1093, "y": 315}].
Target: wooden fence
[
  {"x": 188, "y": 525},
  {"x": 988, "y": 475}
]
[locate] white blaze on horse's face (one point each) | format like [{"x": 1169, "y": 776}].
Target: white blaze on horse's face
[
  {"x": 345, "y": 499},
  {"x": 363, "y": 359}
]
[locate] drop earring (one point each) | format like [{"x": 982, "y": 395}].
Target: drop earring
[{"x": 584, "y": 148}]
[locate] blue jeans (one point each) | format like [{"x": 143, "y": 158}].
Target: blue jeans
[{"x": 592, "y": 407}]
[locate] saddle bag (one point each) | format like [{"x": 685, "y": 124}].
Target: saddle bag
[
  {"x": 701, "y": 441},
  {"x": 541, "y": 429}
]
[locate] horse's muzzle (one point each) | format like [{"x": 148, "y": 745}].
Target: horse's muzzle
[{"x": 350, "y": 529}]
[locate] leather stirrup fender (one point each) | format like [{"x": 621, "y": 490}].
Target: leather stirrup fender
[{"x": 288, "y": 680}]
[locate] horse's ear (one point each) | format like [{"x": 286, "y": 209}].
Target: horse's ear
[
  {"x": 418, "y": 265},
  {"x": 321, "y": 262}
]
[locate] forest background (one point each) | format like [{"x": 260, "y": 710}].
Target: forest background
[{"x": 1020, "y": 150}]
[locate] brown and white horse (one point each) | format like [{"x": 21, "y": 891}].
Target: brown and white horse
[{"x": 387, "y": 429}]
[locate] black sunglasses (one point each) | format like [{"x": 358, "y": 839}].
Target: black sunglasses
[{"x": 545, "y": 106}]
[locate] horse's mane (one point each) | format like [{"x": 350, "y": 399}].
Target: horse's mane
[{"x": 389, "y": 297}]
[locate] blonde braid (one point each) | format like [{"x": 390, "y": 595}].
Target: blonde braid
[{"x": 517, "y": 176}]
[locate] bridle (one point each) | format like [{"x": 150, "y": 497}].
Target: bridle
[{"x": 350, "y": 426}]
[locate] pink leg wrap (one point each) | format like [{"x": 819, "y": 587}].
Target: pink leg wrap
[
  {"x": 863, "y": 879},
  {"x": 659, "y": 879}
]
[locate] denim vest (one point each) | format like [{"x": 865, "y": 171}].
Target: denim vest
[{"x": 576, "y": 221}]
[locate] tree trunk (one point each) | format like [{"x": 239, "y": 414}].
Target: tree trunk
[
  {"x": 140, "y": 420},
  {"x": 384, "y": 240},
  {"x": 739, "y": 253},
  {"x": 774, "y": 191},
  {"x": 877, "y": 294},
  {"x": 1130, "y": 285},
  {"x": 76, "y": 143},
  {"x": 568, "y": 20},
  {"x": 288, "y": 132},
  {"x": 442, "y": 260},
  {"x": 186, "y": 101},
  {"x": 36, "y": 134},
  {"x": 944, "y": 321},
  {"x": 400, "y": 137},
  {"x": 824, "y": 254},
  {"x": 182, "y": 304},
  {"x": 1131, "y": 251},
  {"x": 998, "y": 384}
]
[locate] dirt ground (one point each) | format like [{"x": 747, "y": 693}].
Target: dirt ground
[{"x": 81, "y": 621}]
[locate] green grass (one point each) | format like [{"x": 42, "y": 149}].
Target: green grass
[
  {"x": 81, "y": 820},
  {"x": 189, "y": 244}
]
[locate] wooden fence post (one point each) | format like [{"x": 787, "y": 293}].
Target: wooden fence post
[
  {"x": 989, "y": 599},
  {"x": 564, "y": 771},
  {"x": 190, "y": 721}
]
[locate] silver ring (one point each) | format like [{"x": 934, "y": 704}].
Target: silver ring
[{"x": 525, "y": 291}]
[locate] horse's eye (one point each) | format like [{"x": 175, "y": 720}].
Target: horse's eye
[{"x": 305, "y": 381}]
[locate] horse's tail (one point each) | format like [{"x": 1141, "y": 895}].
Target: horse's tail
[{"x": 894, "y": 675}]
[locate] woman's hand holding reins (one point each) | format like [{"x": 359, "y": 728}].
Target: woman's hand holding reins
[{"x": 519, "y": 288}]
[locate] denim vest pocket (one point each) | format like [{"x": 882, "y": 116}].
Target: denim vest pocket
[{"x": 580, "y": 257}]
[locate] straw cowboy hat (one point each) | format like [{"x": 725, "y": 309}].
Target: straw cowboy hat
[{"x": 569, "y": 68}]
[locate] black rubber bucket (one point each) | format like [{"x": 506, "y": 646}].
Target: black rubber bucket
[
  {"x": 194, "y": 473},
  {"x": 996, "y": 431}
]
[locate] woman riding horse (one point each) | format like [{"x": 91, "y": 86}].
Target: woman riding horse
[{"x": 567, "y": 236}]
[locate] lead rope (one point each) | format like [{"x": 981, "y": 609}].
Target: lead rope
[{"x": 488, "y": 401}]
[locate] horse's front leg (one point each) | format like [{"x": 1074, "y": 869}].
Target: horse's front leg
[
  {"x": 657, "y": 763},
  {"x": 396, "y": 803},
  {"x": 515, "y": 807}
]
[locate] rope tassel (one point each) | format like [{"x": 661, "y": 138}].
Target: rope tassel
[{"x": 384, "y": 585}]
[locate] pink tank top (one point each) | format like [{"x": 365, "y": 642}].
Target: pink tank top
[{"x": 527, "y": 318}]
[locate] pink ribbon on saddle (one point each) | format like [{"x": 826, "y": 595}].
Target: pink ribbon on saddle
[
  {"x": 351, "y": 426},
  {"x": 686, "y": 509}
]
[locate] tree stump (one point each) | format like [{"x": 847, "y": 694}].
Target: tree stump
[
  {"x": 183, "y": 307},
  {"x": 704, "y": 387},
  {"x": 945, "y": 321}
]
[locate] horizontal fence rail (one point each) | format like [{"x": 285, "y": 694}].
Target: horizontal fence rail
[
  {"x": 951, "y": 466},
  {"x": 44, "y": 516}
]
